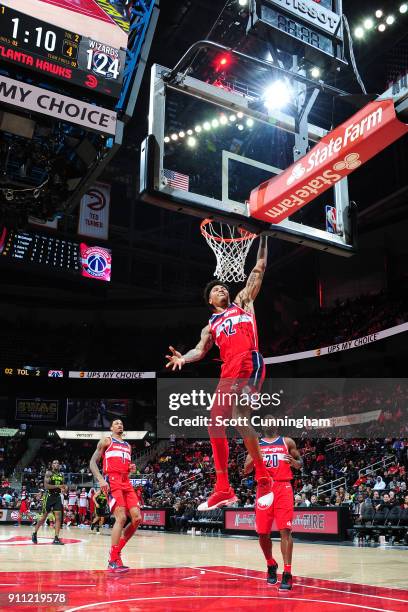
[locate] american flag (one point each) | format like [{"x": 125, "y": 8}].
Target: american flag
[{"x": 177, "y": 180}]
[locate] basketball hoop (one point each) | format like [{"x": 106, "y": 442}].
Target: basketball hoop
[{"x": 231, "y": 245}]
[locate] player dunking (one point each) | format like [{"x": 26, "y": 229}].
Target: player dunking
[
  {"x": 123, "y": 501},
  {"x": 52, "y": 502},
  {"x": 232, "y": 328},
  {"x": 280, "y": 455}
]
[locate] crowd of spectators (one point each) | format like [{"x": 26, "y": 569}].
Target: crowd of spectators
[{"x": 346, "y": 320}]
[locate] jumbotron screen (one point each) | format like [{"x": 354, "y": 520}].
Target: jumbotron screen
[
  {"x": 55, "y": 253},
  {"x": 79, "y": 41}
]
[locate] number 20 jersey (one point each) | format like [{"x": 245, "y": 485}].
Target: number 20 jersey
[
  {"x": 273, "y": 454},
  {"x": 234, "y": 332}
]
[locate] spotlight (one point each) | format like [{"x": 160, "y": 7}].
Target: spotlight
[
  {"x": 368, "y": 23},
  {"x": 315, "y": 72},
  {"x": 240, "y": 115},
  {"x": 190, "y": 132},
  {"x": 215, "y": 123},
  {"x": 240, "y": 127},
  {"x": 191, "y": 142},
  {"x": 166, "y": 139},
  {"x": 182, "y": 134},
  {"x": 390, "y": 19},
  {"x": 232, "y": 118},
  {"x": 207, "y": 125},
  {"x": 382, "y": 27},
  {"x": 174, "y": 137},
  {"x": 222, "y": 62},
  {"x": 250, "y": 122},
  {"x": 359, "y": 32},
  {"x": 198, "y": 129},
  {"x": 277, "y": 95},
  {"x": 242, "y": 2},
  {"x": 403, "y": 8},
  {"x": 379, "y": 14},
  {"x": 223, "y": 120}
]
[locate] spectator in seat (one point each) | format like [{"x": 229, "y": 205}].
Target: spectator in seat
[
  {"x": 385, "y": 503},
  {"x": 379, "y": 484}
]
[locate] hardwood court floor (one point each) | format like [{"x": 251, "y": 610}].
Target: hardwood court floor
[{"x": 178, "y": 572}]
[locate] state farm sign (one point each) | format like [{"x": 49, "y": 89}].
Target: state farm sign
[{"x": 338, "y": 154}]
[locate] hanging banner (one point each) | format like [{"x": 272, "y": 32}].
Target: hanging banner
[{"x": 94, "y": 212}]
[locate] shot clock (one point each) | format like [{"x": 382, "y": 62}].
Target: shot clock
[{"x": 60, "y": 53}]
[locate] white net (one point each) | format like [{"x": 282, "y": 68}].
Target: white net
[{"x": 231, "y": 245}]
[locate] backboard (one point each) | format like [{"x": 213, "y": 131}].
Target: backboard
[{"x": 208, "y": 147}]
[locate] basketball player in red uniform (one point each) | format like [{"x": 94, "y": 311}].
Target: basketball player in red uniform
[
  {"x": 279, "y": 455},
  {"x": 232, "y": 328},
  {"x": 24, "y": 506},
  {"x": 123, "y": 501}
]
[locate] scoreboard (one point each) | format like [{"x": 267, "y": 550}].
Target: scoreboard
[
  {"x": 316, "y": 25},
  {"x": 60, "y": 53},
  {"x": 55, "y": 253}
]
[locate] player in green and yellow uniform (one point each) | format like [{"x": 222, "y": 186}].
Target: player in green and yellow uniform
[
  {"x": 101, "y": 508},
  {"x": 52, "y": 501}
]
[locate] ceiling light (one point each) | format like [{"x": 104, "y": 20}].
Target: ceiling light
[
  {"x": 198, "y": 129},
  {"x": 359, "y": 32},
  {"x": 277, "y": 95},
  {"x": 191, "y": 142},
  {"x": 390, "y": 19},
  {"x": 381, "y": 27},
  {"x": 315, "y": 72},
  {"x": 403, "y": 8},
  {"x": 368, "y": 23},
  {"x": 379, "y": 14}
]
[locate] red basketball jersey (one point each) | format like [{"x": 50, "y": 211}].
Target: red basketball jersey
[
  {"x": 116, "y": 457},
  {"x": 273, "y": 453},
  {"x": 234, "y": 332}
]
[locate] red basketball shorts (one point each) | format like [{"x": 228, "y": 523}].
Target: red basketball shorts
[
  {"x": 121, "y": 492},
  {"x": 23, "y": 507},
  {"x": 82, "y": 510},
  {"x": 244, "y": 373},
  {"x": 280, "y": 510}
]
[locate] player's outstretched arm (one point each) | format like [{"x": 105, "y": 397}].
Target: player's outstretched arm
[
  {"x": 177, "y": 360},
  {"x": 254, "y": 282},
  {"x": 93, "y": 464}
]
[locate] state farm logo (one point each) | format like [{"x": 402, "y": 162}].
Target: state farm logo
[
  {"x": 350, "y": 162},
  {"x": 297, "y": 173}
]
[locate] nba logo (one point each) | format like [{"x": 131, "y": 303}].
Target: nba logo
[{"x": 331, "y": 220}]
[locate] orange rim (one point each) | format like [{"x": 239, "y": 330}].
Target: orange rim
[{"x": 245, "y": 234}]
